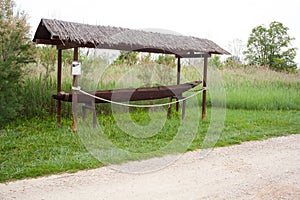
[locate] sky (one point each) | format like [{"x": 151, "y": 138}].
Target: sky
[{"x": 218, "y": 20}]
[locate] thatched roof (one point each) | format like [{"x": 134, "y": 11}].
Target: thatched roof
[{"x": 69, "y": 34}]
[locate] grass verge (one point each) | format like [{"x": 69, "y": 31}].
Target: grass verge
[{"x": 37, "y": 147}]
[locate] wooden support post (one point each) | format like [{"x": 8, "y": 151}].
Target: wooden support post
[
  {"x": 93, "y": 109},
  {"x": 178, "y": 79},
  {"x": 204, "y": 87},
  {"x": 74, "y": 95},
  {"x": 183, "y": 109},
  {"x": 169, "y": 108},
  {"x": 59, "y": 63},
  {"x": 94, "y": 116},
  {"x": 84, "y": 107}
]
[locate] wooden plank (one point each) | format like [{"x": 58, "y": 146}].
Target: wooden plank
[
  {"x": 46, "y": 41},
  {"x": 67, "y": 45},
  {"x": 190, "y": 55}
]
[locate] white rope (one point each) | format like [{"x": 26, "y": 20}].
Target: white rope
[
  {"x": 137, "y": 105},
  {"x": 203, "y": 89}
]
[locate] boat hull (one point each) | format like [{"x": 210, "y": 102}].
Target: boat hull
[{"x": 130, "y": 94}]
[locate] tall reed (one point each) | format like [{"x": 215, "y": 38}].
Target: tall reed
[
  {"x": 37, "y": 96},
  {"x": 255, "y": 88}
]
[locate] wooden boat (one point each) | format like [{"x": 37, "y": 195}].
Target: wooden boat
[{"x": 131, "y": 94}]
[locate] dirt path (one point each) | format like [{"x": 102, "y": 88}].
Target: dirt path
[{"x": 268, "y": 169}]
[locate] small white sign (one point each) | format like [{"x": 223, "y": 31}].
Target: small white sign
[{"x": 76, "y": 68}]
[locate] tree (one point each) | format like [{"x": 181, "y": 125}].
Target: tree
[
  {"x": 271, "y": 47},
  {"x": 233, "y": 62},
  {"x": 167, "y": 60},
  {"x": 127, "y": 57},
  {"x": 215, "y": 61},
  {"x": 15, "y": 48}
]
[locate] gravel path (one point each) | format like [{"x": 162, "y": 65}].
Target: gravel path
[{"x": 268, "y": 169}]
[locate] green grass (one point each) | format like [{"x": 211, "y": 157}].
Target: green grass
[
  {"x": 246, "y": 125},
  {"x": 261, "y": 89},
  {"x": 37, "y": 147},
  {"x": 253, "y": 88}
]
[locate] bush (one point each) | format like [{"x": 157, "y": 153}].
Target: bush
[{"x": 15, "y": 51}]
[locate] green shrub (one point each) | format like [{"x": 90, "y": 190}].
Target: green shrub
[{"x": 15, "y": 51}]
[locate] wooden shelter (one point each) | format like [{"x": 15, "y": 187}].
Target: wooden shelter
[{"x": 66, "y": 35}]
